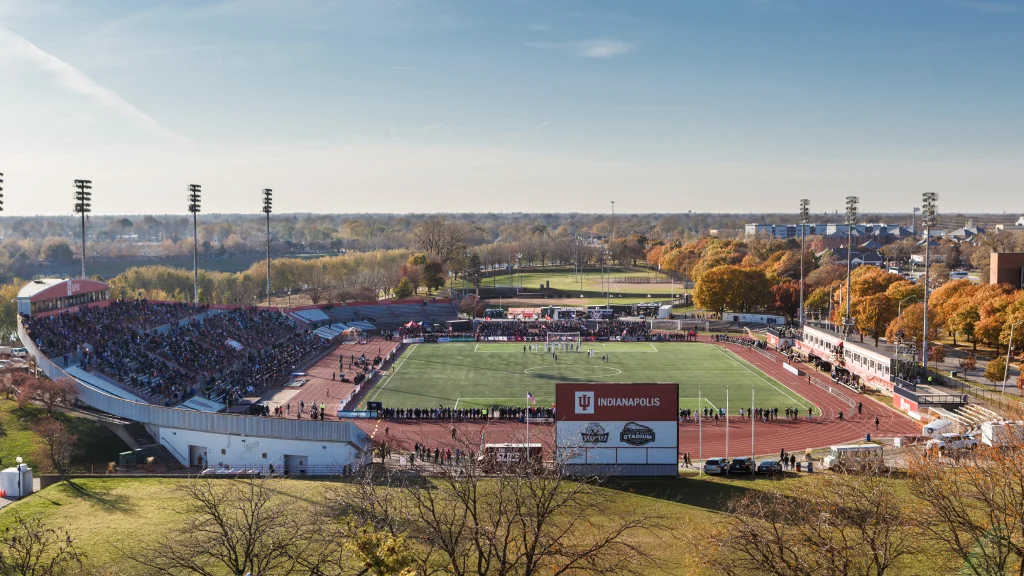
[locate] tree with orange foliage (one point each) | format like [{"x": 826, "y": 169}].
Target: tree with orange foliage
[
  {"x": 909, "y": 326},
  {"x": 873, "y": 314}
]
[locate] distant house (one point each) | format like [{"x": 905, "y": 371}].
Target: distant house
[
  {"x": 967, "y": 233},
  {"x": 857, "y": 257}
]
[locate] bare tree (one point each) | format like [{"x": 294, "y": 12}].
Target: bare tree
[
  {"x": 519, "y": 519},
  {"x": 440, "y": 239},
  {"x": 975, "y": 508},
  {"x": 58, "y": 445},
  {"x": 49, "y": 393},
  {"x": 238, "y": 526},
  {"x": 31, "y": 548},
  {"x": 838, "y": 525}
]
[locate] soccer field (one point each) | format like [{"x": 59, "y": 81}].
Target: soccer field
[{"x": 475, "y": 375}]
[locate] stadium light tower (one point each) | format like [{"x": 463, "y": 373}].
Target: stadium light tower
[
  {"x": 804, "y": 217},
  {"x": 851, "y": 221},
  {"x": 267, "y": 209},
  {"x": 83, "y": 205},
  {"x": 1, "y": 191},
  {"x": 194, "y": 192},
  {"x": 928, "y": 219}
]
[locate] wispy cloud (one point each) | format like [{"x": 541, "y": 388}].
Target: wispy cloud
[
  {"x": 589, "y": 48},
  {"x": 602, "y": 48},
  {"x": 543, "y": 124},
  {"x": 15, "y": 47},
  {"x": 538, "y": 27},
  {"x": 994, "y": 6}
]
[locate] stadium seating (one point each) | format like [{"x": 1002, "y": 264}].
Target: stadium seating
[{"x": 147, "y": 350}]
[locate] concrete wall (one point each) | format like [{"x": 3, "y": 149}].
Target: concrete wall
[{"x": 236, "y": 451}]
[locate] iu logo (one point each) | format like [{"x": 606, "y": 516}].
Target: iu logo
[{"x": 584, "y": 403}]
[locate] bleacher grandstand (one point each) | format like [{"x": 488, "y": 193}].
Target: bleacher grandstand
[
  {"x": 391, "y": 315},
  {"x": 167, "y": 353}
]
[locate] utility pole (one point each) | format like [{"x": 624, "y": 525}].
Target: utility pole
[
  {"x": 928, "y": 219},
  {"x": 804, "y": 216},
  {"x": 194, "y": 192},
  {"x": 1, "y": 191},
  {"x": 851, "y": 221},
  {"x": 267, "y": 209},
  {"x": 83, "y": 205}
]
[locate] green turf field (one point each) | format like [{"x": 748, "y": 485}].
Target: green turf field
[
  {"x": 563, "y": 278},
  {"x": 474, "y": 375}
]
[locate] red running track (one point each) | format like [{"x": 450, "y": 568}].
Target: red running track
[{"x": 823, "y": 430}]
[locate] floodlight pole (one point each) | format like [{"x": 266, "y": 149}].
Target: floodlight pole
[
  {"x": 928, "y": 218},
  {"x": 267, "y": 209},
  {"x": 851, "y": 221},
  {"x": 1009, "y": 346},
  {"x": 83, "y": 197},
  {"x": 194, "y": 192},
  {"x": 803, "y": 222}
]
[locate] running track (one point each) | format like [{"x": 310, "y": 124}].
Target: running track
[{"x": 770, "y": 438}]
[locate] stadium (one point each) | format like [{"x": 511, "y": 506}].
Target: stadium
[{"x": 309, "y": 390}]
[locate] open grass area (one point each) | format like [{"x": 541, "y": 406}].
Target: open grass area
[
  {"x": 564, "y": 278},
  {"x": 104, "y": 514},
  {"x": 96, "y": 443},
  {"x": 488, "y": 374}
]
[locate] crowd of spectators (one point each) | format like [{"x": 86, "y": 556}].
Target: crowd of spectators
[
  {"x": 68, "y": 331},
  {"x": 466, "y": 414},
  {"x": 225, "y": 356},
  {"x": 741, "y": 340}
]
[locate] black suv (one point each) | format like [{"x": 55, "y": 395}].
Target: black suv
[{"x": 742, "y": 466}]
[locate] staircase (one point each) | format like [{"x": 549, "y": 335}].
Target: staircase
[{"x": 145, "y": 442}]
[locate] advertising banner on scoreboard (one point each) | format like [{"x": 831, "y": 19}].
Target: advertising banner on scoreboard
[{"x": 612, "y": 424}]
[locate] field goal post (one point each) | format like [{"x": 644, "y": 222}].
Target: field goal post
[{"x": 573, "y": 337}]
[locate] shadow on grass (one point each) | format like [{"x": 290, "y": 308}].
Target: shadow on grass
[
  {"x": 104, "y": 498},
  {"x": 701, "y": 493}
]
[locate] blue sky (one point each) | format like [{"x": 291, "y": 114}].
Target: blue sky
[{"x": 487, "y": 105}]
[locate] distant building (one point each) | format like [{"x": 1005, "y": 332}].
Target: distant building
[
  {"x": 965, "y": 234},
  {"x": 1007, "y": 268},
  {"x": 879, "y": 232}
]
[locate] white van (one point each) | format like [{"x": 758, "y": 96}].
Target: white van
[
  {"x": 853, "y": 457},
  {"x": 19, "y": 352},
  {"x": 936, "y": 428}
]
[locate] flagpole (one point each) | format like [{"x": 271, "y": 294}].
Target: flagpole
[
  {"x": 700, "y": 434},
  {"x": 726, "y": 423},
  {"x": 753, "y": 403},
  {"x": 527, "y": 424}
]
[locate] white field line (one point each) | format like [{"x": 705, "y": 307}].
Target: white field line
[
  {"x": 655, "y": 349},
  {"x": 704, "y": 399},
  {"x": 398, "y": 366},
  {"x": 765, "y": 380}
]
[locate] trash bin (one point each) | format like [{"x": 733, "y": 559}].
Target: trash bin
[
  {"x": 810, "y": 467},
  {"x": 867, "y": 437}
]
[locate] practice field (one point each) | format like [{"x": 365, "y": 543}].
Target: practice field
[{"x": 475, "y": 375}]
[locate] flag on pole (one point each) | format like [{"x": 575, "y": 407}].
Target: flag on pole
[{"x": 530, "y": 398}]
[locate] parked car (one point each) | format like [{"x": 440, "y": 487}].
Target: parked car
[
  {"x": 770, "y": 467},
  {"x": 743, "y": 465},
  {"x": 715, "y": 465},
  {"x": 952, "y": 441}
]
